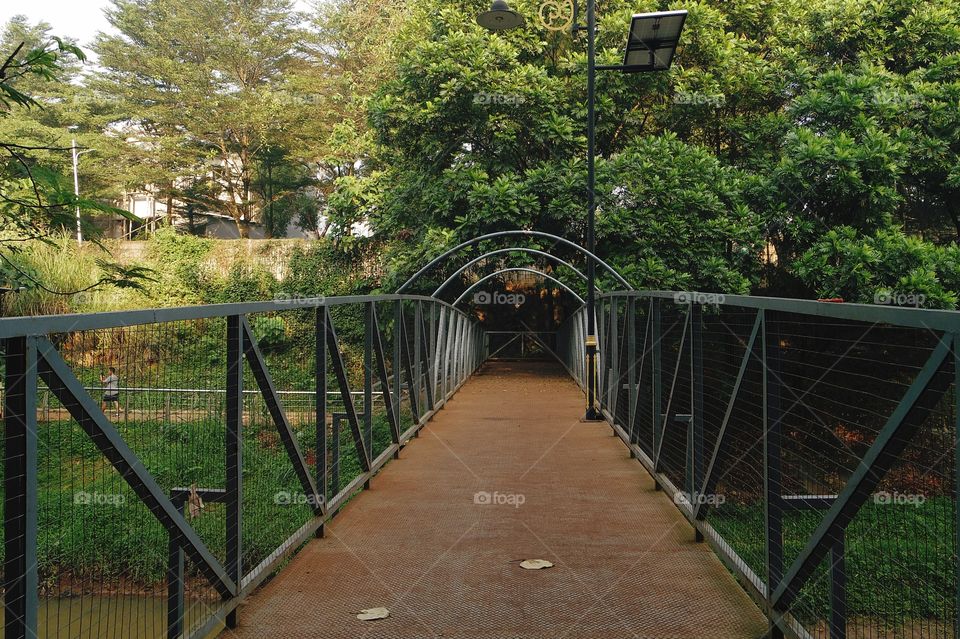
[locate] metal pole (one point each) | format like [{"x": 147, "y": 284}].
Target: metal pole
[
  {"x": 320, "y": 390},
  {"x": 370, "y": 321},
  {"x": 20, "y": 579},
  {"x": 234, "y": 455},
  {"x": 591, "y": 342},
  {"x": 772, "y": 416},
  {"x": 76, "y": 187}
]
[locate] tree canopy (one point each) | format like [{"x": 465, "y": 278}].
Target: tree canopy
[{"x": 795, "y": 148}]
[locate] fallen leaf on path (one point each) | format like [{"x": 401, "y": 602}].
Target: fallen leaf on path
[
  {"x": 372, "y": 614},
  {"x": 535, "y": 564}
]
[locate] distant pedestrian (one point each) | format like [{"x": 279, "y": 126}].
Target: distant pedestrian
[{"x": 111, "y": 390}]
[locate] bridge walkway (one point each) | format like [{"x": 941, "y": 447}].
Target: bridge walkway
[{"x": 507, "y": 472}]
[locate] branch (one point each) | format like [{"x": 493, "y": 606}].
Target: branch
[{"x": 9, "y": 61}]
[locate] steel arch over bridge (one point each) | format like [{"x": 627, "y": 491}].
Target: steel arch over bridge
[
  {"x": 518, "y": 269},
  {"x": 512, "y": 249},
  {"x": 550, "y": 236}
]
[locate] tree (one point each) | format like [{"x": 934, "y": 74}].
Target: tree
[
  {"x": 481, "y": 132},
  {"x": 36, "y": 200},
  {"x": 206, "y": 88}
]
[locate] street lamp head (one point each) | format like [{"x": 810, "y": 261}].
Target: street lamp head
[
  {"x": 653, "y": 41},
  {"x": 500, "y": 17}
]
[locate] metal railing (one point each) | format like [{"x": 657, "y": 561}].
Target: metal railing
[
  {"x": 813, "y": 445},
  {"x": 156, "y": 514}
]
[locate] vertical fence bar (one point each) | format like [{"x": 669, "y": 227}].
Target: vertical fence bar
[
  {"x": 428, "y": 371},
  {"x": 613, "y": 384},
  {"x": 956, "y": 483},
  {"x": 838, "y": 589},
  {"x": 432, "y": 351},
  {"x": 656, "y": 367},
  {"x": 370, "y": 325},
  {"x": 602, "y": 349},
  {"x": 234, "y": 452},
  {"x": 438, "y": 331},
  {"x": 397, "y": 336},
  {"x": 696, "y": 402},
  {"x": 449, "y": 341},
  {"x": 773, "y": 514},
  {"x": 20, "y": 489},
  {"x": 631, "y": 328},
  {"x": 320, "y": 390},
  {"x": 175, "y": 584},
  {"x": 417, "y": 328},
  {"x": 458, "y": 352}
]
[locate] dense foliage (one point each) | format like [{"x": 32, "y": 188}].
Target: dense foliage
[{"x": 805, "y": 148}]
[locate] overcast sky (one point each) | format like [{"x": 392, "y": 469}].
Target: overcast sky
[{"x": 80, "y": 19}]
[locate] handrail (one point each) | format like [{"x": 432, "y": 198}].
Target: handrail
[
  {"x": 935, "y": 319},
  {"x": 44, "y": 324}
]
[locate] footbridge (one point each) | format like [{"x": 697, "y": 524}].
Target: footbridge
[{"x": 393, "y": 466}]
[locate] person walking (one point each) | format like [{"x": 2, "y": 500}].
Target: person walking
[{"x": 111, "y": 390}]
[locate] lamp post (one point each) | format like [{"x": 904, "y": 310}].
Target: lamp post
[
  {"x": 651, "y": 45},
  {"x": 76, "y": 184}
]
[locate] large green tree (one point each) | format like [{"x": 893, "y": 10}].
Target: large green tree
[{"x": 207, "y": 88}]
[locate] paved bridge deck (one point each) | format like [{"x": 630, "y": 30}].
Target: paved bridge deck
[{"x": 417, "y": 543}]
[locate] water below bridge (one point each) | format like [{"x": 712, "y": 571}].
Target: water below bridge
[{"x": 507, "y": 472}]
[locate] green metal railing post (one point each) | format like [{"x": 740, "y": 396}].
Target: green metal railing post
[
  {"x": 696, "y": 406},
  {"x": 656, "y": 365},
  {"x": 370, "y": 325},
  {"x": 234, "y": 455},
  {"x": 956, "y": 485},
  {"x": 613, "y": 383},
  {"x": 396, "y": 367},
  {"x": 320, "y": 393},
  {"x": 773, "y": 512},
  {"x": 417, "y": 352},
  {"x": 20, "y": 597},
  {"x": 631, "y": 321}
]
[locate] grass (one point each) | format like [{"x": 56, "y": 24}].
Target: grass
[
  {"x": 108, "y": 536},
  {"x": 899, "y": 558}
]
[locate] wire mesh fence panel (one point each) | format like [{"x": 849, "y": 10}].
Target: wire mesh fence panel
[
  {"x": 673, "y": 429},
  {"x": 155, "y": 471},
  {"x": 734, "y": 433},
  {"x": 647, "y": 345},
  {"x": 821, "y": 440},
  {"x": 842, "y": 382}
]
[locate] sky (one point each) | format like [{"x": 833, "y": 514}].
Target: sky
[{"x": 80, "y": 19}]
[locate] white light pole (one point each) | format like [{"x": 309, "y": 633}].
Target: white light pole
[{"x": 76, "y": 185}]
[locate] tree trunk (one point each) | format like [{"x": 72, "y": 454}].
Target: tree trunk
[{"x": 955, "y": 216}]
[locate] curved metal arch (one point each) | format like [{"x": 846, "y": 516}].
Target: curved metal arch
[
  {"x": 518, "y": 268},
  {"x": 521, "y": 249},
  {"x": 488, "y": 236}
]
